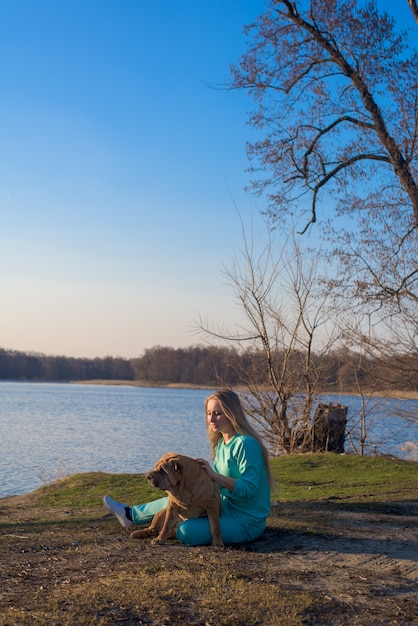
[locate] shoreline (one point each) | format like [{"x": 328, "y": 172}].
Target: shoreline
[{"x": 398, "y": 394}]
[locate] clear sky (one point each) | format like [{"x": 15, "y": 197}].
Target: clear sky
[{"x": 121, "y": 171}]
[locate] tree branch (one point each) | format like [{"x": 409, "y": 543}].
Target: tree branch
[
  {"x": 414, "y": 9},
  {"x": 397, "y": 160},
  {"x": 327, "y": 129},
  {"x": 332, "y": 174}
]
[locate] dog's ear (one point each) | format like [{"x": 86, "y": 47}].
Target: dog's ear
[
  {"x": 177, "y": 466},
  {"x": 175, "y": 472}
]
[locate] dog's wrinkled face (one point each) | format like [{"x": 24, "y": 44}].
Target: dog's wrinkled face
[{"x": 166, "y": 474}]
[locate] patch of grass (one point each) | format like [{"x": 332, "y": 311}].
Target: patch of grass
[
  {"x": 87, "y": 490},
  {"x": 120, "y": 600},
  {"x": 345, "y": 477},
  {"x": 298, "y": 477},
  {"x": 189, "y": 597}
]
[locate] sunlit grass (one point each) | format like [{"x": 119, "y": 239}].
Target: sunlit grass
[
  {"x": 324, "y": 476},
  {"x": 297, "y": 477}
]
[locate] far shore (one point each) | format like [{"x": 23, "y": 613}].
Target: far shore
[{"x": 383, "y": 393}]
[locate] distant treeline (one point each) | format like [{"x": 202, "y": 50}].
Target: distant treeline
[
  {"x": 32, "y": 366},
  {"x": 212, "y": 366}
]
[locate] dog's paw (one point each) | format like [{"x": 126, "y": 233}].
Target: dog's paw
[
  {"x": 139, "y": 534},
  {"x": 158, "y": 541}
]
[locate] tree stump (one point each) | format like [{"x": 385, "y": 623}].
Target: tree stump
[{"x": 328, "y": 428}]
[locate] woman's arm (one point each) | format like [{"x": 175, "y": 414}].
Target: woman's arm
[{"x": 224, "y": 481}]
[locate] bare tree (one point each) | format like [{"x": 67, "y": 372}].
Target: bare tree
[
  {"x": 390, "y": 347},
  {"x": 336, "y": 84},
  {"x": 381, "y": 364},
  {"x": 356, "y": 369},
  {"x": 286, "y": 319}
]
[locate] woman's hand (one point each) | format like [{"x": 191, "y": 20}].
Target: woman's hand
[
  {"x": 224, "y": 481},
  {"x": 205, "y": 465}
]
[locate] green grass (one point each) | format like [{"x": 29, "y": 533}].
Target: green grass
[
  {"x": 298, "y": 478},
  {"x": 87, "y": 490},
  {"x": 354, "y": 478}
]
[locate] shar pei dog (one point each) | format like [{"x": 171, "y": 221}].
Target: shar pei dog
[{"x": 191, "y": 493}]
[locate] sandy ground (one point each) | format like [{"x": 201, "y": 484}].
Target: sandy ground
[{"x": 366, "y": 564}]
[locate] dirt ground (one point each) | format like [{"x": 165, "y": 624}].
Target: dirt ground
[
  {"x": 360, "y": 565},
  {"x": 365, "y": 565}
]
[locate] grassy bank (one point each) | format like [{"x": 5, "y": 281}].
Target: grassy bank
[
  {"x": 311, "y": 477},
  {"x": 66, "y": 561}
]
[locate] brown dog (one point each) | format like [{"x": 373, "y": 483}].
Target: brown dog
[{"x": 191, "y": 493}]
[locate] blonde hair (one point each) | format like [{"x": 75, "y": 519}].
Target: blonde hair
[{"x": 231, "y": 407}]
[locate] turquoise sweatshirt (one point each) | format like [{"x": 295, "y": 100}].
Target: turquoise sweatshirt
[{"x": 242, "y": 459}]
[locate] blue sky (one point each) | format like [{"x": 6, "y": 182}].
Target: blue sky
[{"x": 121, "y": 172}]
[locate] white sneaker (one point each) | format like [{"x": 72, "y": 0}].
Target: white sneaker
[{"x": 118, "y": 510}]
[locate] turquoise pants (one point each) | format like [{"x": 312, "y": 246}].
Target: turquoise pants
[{"x": 196, "y": 532}]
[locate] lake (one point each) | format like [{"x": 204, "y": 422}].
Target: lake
[{"x": 52, "y": 430}]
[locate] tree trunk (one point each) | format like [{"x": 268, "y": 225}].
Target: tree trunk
[{"x": 328, "y": 428}]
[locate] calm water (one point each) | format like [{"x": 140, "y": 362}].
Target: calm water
[
  {"x": 53, "y": 430},
  {"x": 48, "y": 431}
]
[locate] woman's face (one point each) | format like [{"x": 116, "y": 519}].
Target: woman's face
[{"x": 217, "y": 421}]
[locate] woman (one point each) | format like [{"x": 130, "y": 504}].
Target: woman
[{"x": 241, "y": 470}]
